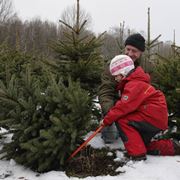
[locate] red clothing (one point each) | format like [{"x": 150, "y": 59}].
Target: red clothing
[
  {"x": 140, "y": 113},
  {"x": 139, "y": 99}
]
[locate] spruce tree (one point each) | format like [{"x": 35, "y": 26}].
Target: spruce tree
[
  {"x": 13, "y": 63},
  {"x": 79, "y": 56},
  {"x": 167, "y": 78},
  {"x": 47, "y": 123},
  {"x": 78, "y": 53},
  {"x": 48, "y": 107}
]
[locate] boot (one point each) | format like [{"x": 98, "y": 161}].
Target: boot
[
  {"x": 163, "y": 147},
  {"x": 136, "y": 158},
  {"x": 176, "y": 147}
]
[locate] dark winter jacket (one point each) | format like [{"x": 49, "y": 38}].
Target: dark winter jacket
[
  {"x": 139, "y": 96},
  {"x": 107, "y": 91}
]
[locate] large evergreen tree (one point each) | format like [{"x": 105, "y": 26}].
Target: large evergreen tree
[
  {"x": 48, "y": 109},
  {"x": 78, "y": 53},
  {"x": 47, "y": 112}
]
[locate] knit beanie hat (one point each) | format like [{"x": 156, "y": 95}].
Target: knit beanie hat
[
  {"x": 121, "y": 64},
  {"x": 136, "y": 40}
]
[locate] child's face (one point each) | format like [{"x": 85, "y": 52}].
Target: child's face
[{"x": 118, "y": 77}]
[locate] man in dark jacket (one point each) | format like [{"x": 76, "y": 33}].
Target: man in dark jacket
[{"x": 134, "y": 48}]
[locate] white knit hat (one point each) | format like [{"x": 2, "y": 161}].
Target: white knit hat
[{"x": 121, "y": 64}]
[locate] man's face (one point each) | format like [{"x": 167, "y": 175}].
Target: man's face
[{"x": 132, "y": 52}]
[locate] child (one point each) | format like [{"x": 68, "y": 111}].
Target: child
[{"x": 140, "y": 113}]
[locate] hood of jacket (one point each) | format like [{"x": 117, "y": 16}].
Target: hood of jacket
[{"x": 138, "y": 74}]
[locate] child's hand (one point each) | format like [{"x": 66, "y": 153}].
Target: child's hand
[{"x": 102, "y": 123}]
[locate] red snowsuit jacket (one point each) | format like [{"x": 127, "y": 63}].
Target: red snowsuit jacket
[{"x": 139, "y": 96}]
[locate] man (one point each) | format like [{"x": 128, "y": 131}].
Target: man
[{"x": 134, "y": 48}]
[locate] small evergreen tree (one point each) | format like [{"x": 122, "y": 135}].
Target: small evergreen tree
[
  {"x": 13, "y": 63},
  {"x": 47, "y": 123},
  {"x": 167, "y": 78}
]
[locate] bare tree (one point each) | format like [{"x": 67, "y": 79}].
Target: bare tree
[
  {"x": 6, "y": 10},
  {"x": 69, "y": 16}
]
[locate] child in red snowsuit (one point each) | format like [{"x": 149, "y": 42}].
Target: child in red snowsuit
[{"x": 140, "y": 113}]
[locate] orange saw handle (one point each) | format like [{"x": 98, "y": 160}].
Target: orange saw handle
[{"x": 84, "y": 144}]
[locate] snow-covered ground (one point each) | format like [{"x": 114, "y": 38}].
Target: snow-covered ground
[{"x": 154, "y": 168}]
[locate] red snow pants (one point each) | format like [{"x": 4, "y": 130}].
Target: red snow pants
[{"x": 136, "y": 136}]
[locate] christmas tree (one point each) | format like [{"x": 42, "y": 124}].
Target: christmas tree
[
  {"x": 48, "y": 110},
  {"x": 48, "y": 105},
  {"x": 167, "y": 78},
  {"x": 78, "y": 53},
  {"x": 47, "y": 123}
]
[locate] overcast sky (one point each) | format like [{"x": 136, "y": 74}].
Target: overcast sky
[{"x": 165, "y": 14}]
